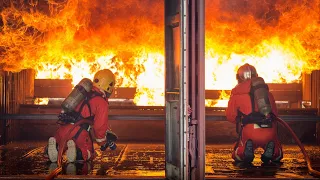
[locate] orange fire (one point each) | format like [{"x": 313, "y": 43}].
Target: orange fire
[
  {"x": 221, "y": 102},
  {"x": 75, "y": 38}
]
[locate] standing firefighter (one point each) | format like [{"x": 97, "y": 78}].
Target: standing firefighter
[
  {"x": 87, "y": 102},
  {"x": 252, "y": 108}
]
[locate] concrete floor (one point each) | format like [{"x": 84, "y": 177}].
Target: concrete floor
[{"x": 146, "y": 161}]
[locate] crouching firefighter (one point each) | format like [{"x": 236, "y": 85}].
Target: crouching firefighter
[
  {"x": 87, "y": 102},
  {"x": 252, "y": 108}
]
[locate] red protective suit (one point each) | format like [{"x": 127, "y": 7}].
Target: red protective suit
[
  {"x": 240, "y": 99},
  {"x": 99, "y": 109}
]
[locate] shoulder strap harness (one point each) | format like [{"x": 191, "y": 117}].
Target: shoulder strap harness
[
  {"x": 254, "y": 117},
  {"x": 74, "y": 116}
]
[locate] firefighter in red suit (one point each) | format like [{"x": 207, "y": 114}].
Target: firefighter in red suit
[
  {"x": 252, "y": 135},
  {"x": 80, "y": 146}
]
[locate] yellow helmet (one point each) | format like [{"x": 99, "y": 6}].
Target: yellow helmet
[{"x": 104, "y": 80}]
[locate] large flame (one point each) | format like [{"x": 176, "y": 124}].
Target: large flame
[
  {"x": 277, "y": 37},
  {"x": 75, "y": 38}
]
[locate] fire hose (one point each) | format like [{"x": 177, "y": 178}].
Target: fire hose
[
  {"x": 56, "y": 171},
  {"x": 307, "y": 159}
]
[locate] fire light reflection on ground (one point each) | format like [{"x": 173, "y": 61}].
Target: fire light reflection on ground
[{"x": 148, "y": 160}]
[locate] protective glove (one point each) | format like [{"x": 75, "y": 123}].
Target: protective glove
[{"x": 111, "y": 139}]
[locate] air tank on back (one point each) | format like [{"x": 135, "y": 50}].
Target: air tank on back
[
  {"x": 261, "y": 95},
  {"x": 77, "y": 95}
]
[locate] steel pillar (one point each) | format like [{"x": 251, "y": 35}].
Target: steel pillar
[
  {"x": 185, "y": 137},
  {"x": 196, "y": 93},
  {"x": 176, "y": 124},
  {"x": 3, "y": 99}
]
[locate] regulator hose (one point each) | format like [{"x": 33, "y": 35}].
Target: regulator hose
[
  {"x": 310, "y": 169},
  {"x": 55, "y": 172}
]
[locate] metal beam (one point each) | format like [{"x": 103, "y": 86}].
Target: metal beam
[
  {"x": 155, "y": 110},
  {"x": 55, "y": 117},
  {"x": 281, "y": 92},
  {"x": 148, "y": 117}
]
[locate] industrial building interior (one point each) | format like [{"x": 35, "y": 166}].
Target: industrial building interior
[{"x": 47, "y": 47}]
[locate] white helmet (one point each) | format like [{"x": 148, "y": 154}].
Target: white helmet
[{"x": 246, "y": 72}]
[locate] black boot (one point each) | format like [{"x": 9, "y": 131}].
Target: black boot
[
  {"x": 248, "y": 152},
  {"x": 79, "y": 155},
  {"x": 266, "y": 157}
]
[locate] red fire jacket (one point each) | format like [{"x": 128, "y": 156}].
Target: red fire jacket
[
  {"x": 99, "y": 109},
  {"x": 240, "y": 99}
]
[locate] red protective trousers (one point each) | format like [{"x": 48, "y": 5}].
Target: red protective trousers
[
  {"x": 99, "y": 109},
  {"x": 240, "y": 100}
]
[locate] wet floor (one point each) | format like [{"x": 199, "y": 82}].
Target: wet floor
[
  {"x": 220, "y": 164},
  {"x": 148, "y": 160}
]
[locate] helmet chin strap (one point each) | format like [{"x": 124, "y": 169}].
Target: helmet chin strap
[
  {"x": 107, "y": 94},
  {"x": 103, "y": 92}
]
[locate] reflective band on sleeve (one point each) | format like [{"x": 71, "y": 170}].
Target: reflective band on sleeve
[
  {"x": 89, "y": 155},
  {"x": 101, "y": 140}
]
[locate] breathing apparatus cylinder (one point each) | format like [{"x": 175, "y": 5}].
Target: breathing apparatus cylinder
[
  {"x": 261, "y": 95},
  {"x": 77, "y": 95}
]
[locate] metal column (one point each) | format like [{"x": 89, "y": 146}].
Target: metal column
[
  {"x": 196, "y": 94},
  {"x": 2, "y": 108},
  {"x": 184, "y": 41},
  {"x": 176, "y": 124}
]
